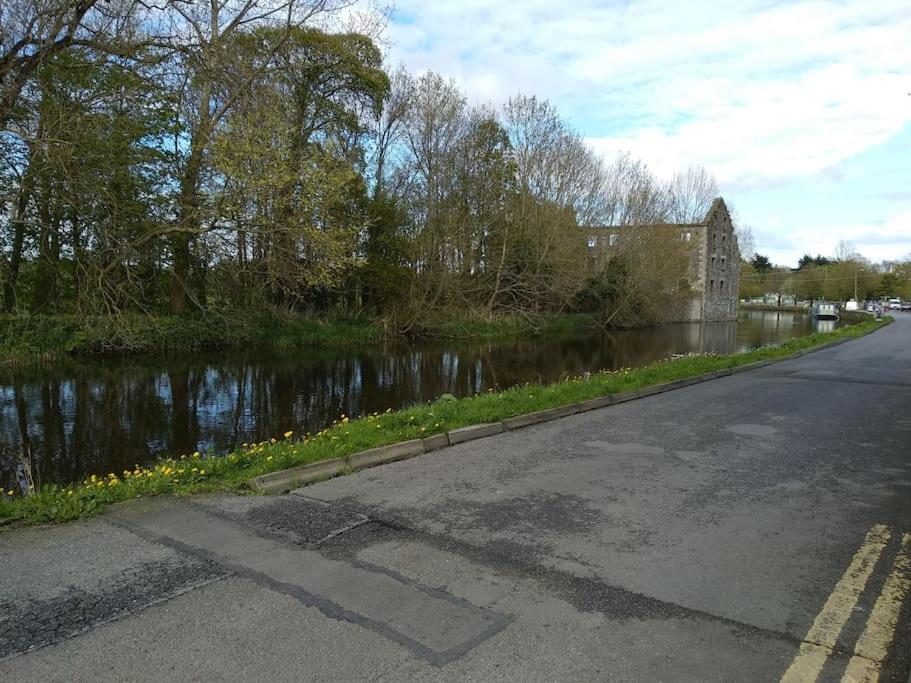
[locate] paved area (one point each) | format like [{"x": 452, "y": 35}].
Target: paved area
[{"x": 750, "y": 528}]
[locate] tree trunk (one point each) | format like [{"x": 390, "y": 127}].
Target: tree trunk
[
  {"x": 48, "y": 252},
  {"x": 18, "y": 229},
  {"x": 187, "y": 225}
]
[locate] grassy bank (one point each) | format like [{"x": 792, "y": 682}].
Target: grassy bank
[
  {"x": 195, "y": 473},
  {"x": 467, "y": 326},
  {"x": 37, "y": 338}
]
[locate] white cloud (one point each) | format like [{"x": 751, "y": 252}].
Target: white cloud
[
  {"x": 889, "y": 239},
  {"x": 758, "y": 92}
]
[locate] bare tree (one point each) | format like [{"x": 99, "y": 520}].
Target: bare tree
[
  {"x": 389, "y": 124},
  {"x": 846, "y": 251},
  {"x": 745, "y": 241},
  {"x": 631, "y": 194},
  {"x": 690, "y": 194}
]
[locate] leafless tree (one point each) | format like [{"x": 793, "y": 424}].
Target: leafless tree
[
  {"x": 632, "y": 194},
  {"x": 690, "y": 194}
]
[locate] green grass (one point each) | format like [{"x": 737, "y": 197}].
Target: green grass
[
  {"x": 195, "y": 474},
  {"x": 33, "y": 338},
  {"x": 40, "y": 338},
  {"x": 462, "y": 325}
]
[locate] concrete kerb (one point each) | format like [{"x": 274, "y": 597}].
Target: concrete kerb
[
  {"x": 519, "y": 421},
  {"x": 294, "y": 477},
  {"x": 384, "y": 454},
  {"x": 285, "y": 480},
  {"x": 473, "y": 432}
]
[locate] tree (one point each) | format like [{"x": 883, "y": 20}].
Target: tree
[
  {"x": 807, "y": 261},
  {"x": 201, "y": 36},
  {"x": 690, "y": 193},
  {"x": 289, "y": 156},
  {"x": 750, "y": 281},
  {"x": 33, "y": 32},
  {"x": 761, "y": 264}
]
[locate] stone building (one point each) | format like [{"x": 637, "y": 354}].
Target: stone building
[{"x": 714, "y": 269}]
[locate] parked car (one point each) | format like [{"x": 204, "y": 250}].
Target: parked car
[
  {"x": 906, "y": 305},
  {"x": 895, "y": 304}
]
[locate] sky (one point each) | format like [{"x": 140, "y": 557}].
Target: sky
[{"x": 801, "y": 110}]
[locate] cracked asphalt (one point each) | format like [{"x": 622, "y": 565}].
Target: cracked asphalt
[{"x": 701, "y": 534}]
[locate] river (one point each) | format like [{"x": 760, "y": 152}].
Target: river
[{"x": 99, "y": 415}]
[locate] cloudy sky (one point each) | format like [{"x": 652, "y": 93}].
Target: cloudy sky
[{"x": 800, "y": 109}]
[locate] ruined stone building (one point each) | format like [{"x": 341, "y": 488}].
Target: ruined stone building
[{"x": 714, "y": 268}]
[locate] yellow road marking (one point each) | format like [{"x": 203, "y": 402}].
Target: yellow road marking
[
  {"x": 873, "y": 645},
  {"x": 823, "y": 634}
]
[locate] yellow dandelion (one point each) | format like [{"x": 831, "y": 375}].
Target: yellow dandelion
[
  {"x": 289, "y": 434},
  {"x": 202, "y": 471},
  {"x": 269, "y": 459},
  {"x": 195, "y": 454}
]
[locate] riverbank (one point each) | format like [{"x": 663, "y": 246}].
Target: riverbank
[
  {"x": 194, "y": 473},
  {"x": 773, "y": 307},
  {"x": 44, "y": 338}
]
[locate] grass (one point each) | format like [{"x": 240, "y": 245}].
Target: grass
[
  {"x": 462, "y": 325},
  {"x": 28, "y": 339},
  {"x": 195, "y": 473}
]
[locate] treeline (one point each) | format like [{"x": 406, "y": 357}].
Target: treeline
[
  {"x": 846, "y": 275},
  {"x": 226, "y": 156}
]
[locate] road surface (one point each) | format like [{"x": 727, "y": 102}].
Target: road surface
[{"x": 752, "y": 528}]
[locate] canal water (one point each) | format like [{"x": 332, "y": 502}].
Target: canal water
[{"x": 78, "y": 418}]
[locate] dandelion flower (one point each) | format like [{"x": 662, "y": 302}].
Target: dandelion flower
[
  {"x": 289, "y": 434},
  {"x": 202, "y": 471}
]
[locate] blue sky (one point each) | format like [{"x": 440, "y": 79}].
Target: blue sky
[{"x": 800, "y": 109}]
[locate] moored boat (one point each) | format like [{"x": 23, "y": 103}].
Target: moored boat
[{"x": 823, "y": 310}]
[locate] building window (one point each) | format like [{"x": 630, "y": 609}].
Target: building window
[
  {"x": 721, "y": 285},
  {"x": 592, "y": 241},
  {"x": 686, "y": 236},
  {"x": 711, "y": 284},
  {"x": 612, "y": 240}
]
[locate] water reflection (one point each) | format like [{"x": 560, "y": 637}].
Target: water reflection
[{"x": 80, "y": 418}]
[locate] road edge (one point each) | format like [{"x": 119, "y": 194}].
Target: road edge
[{"x": 283, "y": 481}]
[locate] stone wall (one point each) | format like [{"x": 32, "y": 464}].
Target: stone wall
[{"x": 722, "y": 266}]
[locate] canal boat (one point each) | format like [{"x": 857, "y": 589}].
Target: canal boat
[{"x": 823, "y": 310}]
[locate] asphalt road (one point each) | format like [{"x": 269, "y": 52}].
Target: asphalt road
[{"x": 750, "y": 528}]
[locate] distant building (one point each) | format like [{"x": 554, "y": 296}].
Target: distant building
[{"x": 714, "y": 272}]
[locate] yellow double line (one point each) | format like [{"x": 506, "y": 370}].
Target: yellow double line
[{"x": 873, "y": 645}]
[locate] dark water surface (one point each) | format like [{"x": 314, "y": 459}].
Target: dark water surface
[{"x": 95, "y": 416}]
